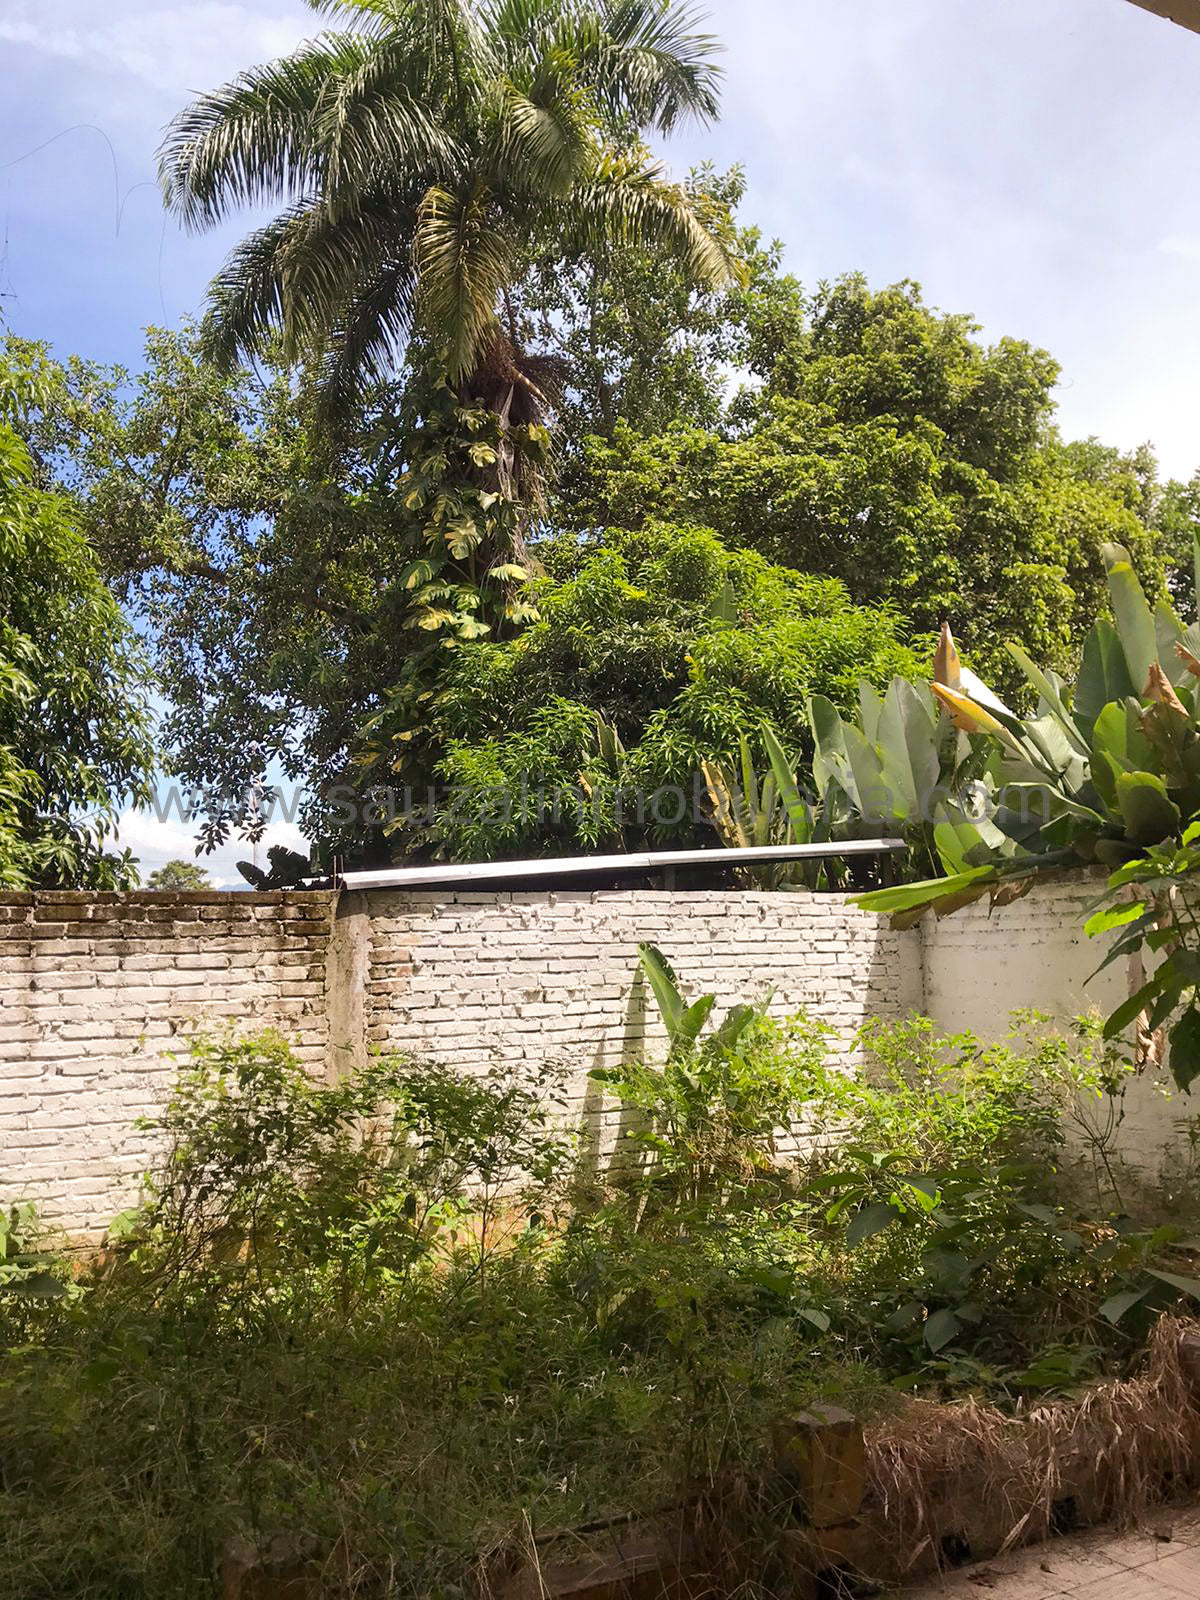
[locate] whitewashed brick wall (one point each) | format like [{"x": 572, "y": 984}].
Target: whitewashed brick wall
[
  {"x": 980, "y": 965},
  {"x": 98, "y": 993},
  {"x": 478, "y": 979}
]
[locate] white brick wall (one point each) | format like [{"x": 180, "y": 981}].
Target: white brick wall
[
  {"x": 97, "y": 996},
  {"x": 475, "y": 979},
  {"x": 980, "y": 965},
  {"x": 99, "y": 992}
]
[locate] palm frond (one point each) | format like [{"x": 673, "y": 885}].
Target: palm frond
[
  {"x": 629, "y": 202},
  {"x": 296, "y": 276},
  {"x": 651, "y": 61},
  {"x": 254, "y": 140},
  {"x": 463, "y": 263},
  {"x": 519, "y": 27},
  {"x": 367, "y": 343},
  {"x": 378, "y": 13},
  {"x": 373, "y": 126},
  {"x": 245, "y": 299},
  {"x": 544, "y": 134}
]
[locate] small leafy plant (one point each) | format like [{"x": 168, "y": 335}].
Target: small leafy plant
[{"x": 713, "y": 1109}]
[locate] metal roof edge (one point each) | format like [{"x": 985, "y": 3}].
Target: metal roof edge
[{"x": 580, "y": 866}]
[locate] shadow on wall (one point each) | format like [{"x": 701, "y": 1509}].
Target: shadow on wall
[{"x": 604, "y": 1129}]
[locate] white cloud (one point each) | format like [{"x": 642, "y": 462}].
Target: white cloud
[
  {"x": 1179, "y": 245},
  {"x": 177, "y": 49},
  {"x": 155, "y": 842}
]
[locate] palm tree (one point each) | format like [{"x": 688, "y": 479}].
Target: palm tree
[{"x": 421, "y": 158}]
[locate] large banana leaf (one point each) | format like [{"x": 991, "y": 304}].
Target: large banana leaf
[
  {"x": 1103, "y": 674},
  {"x": 1135, "y": 620}
]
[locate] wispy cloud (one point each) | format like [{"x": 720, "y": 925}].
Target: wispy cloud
[{"x": 174, "y": 49}]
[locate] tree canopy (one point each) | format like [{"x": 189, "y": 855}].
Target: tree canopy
[
  {"x": 651, "y": 653},
  {"x": 755, "y": 495},
  {"x": 179, "y": 876},
  {"x": 74, "y": 726},
  {"x": 878, "y": 441},
  {"x": 421, "y": 156}
]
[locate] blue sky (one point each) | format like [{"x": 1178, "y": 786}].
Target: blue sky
[{"x": 1035, "y": 162}]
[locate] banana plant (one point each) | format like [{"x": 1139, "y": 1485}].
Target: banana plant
[
  {"x": 685, "y": 1022},
  {"x": 750, "y": 809},
  {"x": 903, "y": 768},
  {"x": 1107, "y": 774}
]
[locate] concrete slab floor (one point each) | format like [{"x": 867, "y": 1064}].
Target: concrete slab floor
[{"x": 1158, "y": 1561}]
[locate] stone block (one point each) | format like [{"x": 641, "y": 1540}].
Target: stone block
[{"x": 821, "y": 1456}]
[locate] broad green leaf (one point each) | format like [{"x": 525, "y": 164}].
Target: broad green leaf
[
  {"x": 1169, "y": 632},
  {"x": 927, "y": 1186},
  {"x": 661, "y": 977},
  {"x": 1185, "y": 1049},
  {"x": 906, "y": 738},
  {"x": 1115, "y": 1307},
  {"x": 734, "y": 1025},
  {"x": 830, "y": 759},
  {"x": 420, "y": 572},
  {"x": 818, "y": 1318},
  {"x": 1188, "y": 1286},
  {"x": 782, "y": 771},
  {"x": 870, "y": 705},
  {"x": 1135, "y": 621},
  {"x": 869, "y": 1221},
  {"x": 692, "y": 1019},
  {"x": 470, "y": 627},
  {"x": 940, "y": 1328},
  {"x": 1103, "y": 674},
  {"x": 908, "y": 895},
  {"x": 1149, "y": 813},
  {"x": 904, "y": 1316},
  {"x": 37, "y": 1286},
  {"x": 1052, "y": 696},
  {"x": 964, "y": 842},
  {"x": 1118, "y": 733},
  {"x": 1129, "y": 1010},
  {"x": 1115, "y": 917}
]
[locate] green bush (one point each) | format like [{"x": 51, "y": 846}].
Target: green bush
[{"x": 361, "y": 1320}]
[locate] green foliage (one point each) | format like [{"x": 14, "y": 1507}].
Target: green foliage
[
  {"x": 1107, "y": 773},
  {"x": 421, "y": 157},
  {"x": 366, "y": 1306},
  {"x": 641, "y": 343},
  {"x": 901, "y": 771},
  {"x": 28, "y": 1274},
  {"x": 882, "y": 444},
  {"x": 750, "y": 813},
  {"x": 676, "y": 642},
  {"x": 74, "y": 729},
  {"x": 178, "y": 875},
  {"x": 296, "y": 590},
  {"x": 709, "y": 1116},
  {"x": 268, "y": 1173}
]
